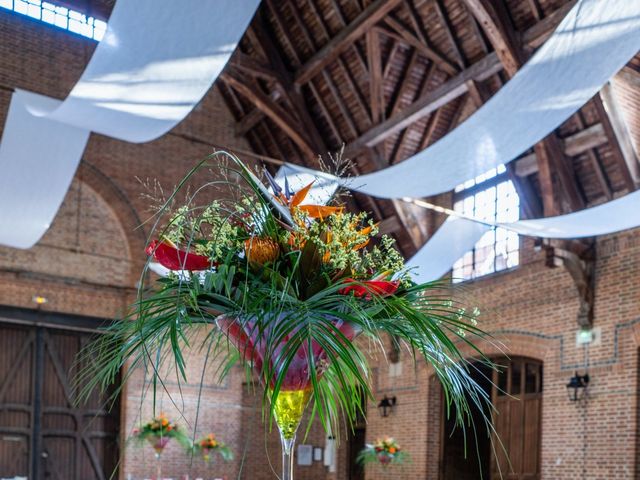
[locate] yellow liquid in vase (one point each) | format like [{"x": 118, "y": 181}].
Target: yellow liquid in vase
[{"x": 289, "y": 408}]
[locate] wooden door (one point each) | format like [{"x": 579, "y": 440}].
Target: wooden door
[
  {"x": 43, "y": 433},
  {"x": 517, "y": 397}
]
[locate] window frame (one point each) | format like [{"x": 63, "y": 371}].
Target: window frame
[{"x": 463, "y": 193}]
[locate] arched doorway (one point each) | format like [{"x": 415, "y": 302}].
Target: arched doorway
[{"x": 516, "y": 394}]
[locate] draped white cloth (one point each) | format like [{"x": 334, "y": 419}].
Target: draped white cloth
[
  {"x": 155, "y": 63},
  {"x": 458, "y": 235},
  {"x": 593, "y": 42}
]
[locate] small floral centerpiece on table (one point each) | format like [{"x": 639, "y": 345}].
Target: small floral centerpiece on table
[
  {"x": 385, "y": 451},
  {"x": 158, "y": 432},
  {"x": 210, "y": 445},
  {"x": 287, "y": 286}
]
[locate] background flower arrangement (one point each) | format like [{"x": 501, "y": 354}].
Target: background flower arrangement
[
  {"x": 209, "y": 445},
  {"x": 159, "y": 431},
  {"x": 385, "y": 451},
  {"x": 290, "y": 286}
]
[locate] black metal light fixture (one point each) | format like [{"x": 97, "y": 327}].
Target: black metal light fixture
[
  {"x": 577, "y": 387},
  {"x": 386, "y": 406}
]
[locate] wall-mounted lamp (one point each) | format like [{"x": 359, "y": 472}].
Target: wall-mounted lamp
[
  {"x": 577, "y": 387},
  {"x": 39, "y": 300},
  {"x": 386, "y": 406}
]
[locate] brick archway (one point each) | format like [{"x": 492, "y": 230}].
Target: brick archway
[
  {"x": 542, "y": 348},
  {"x": 123, "y": 210}
]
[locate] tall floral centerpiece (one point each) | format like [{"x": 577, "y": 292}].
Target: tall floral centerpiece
[{"x": 289, "y": 286}]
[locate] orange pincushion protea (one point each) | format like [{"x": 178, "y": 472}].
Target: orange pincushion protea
[{"x": 261, "y": 251}]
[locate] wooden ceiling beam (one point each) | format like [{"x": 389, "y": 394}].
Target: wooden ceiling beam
[
  {"x": 545, "y": 180},
  {"x": 594, "y": 160},
  {"x": 403, "y": 34},
  {"x": 270, "y": 108},
  {"x": 371, "y": 15},
  {"x": 291, "y": 94},
  {"x": 629, "y": 76},
  {"x": 576, "y": 144},
  {"x": 419, "y": 27},
  {"x": 395, "y": 156},
  {"x": 492, "y": 19},
  {"x": 375, "y": 76},
  {"x": 404, "y": 84},
  {"x": 441, "y": 10},
  {"x": 563, "y": 168},
  {"x": 541, "y": 31},
  {"x": 338, "y": 12},
  {"x": 254, "y": 117},
  {"x": 615, "y": 128},
  {"x": 342, "y": 66},
  {"x": 253, "y": 67},
  {"x": 428, "y": 103}
]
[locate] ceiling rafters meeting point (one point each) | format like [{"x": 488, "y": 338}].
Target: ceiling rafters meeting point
[
  {"x": 271, "y": 109},
  {"x": 373, "y": 13}
]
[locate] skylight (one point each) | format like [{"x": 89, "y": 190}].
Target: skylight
[{"x": 61, "y": 17}]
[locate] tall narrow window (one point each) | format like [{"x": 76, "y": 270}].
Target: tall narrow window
[{"x": 490, "y": 196}]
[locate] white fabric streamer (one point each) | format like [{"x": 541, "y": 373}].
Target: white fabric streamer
[
  {"x": 458, "y": 235},
  {"x": 38, "y": 157},
  {"x": 143, "y": 79},
  {"x": 593, "y": 42},
  {"x": 615, "y": 216},
  {"x": 455, "y": 237}
]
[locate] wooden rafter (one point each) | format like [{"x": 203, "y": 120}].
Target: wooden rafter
[
  {"x": 375, "y": 76},
  {"x": 549, "y": 153},
  {"x": 499, "y": 32},
  {"x": 343, "y": 40},
  {"x": 401, "y": 32},
  {"x": 441, "y": 11},
  {"x": 271, "y": 109},
  {"x": 429, "y": 102},
  {"x": 252, "y": 66},
  {"x": 291, "y": 94},
  {"x": 594, "y": 160},
  {"x": 574, "y": 145},
  {"x": 345, "y": 71},
  {"x": 619, "y": 140}
]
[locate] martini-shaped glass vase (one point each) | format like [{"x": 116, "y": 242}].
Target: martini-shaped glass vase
[{"x": 264, "y": 341}]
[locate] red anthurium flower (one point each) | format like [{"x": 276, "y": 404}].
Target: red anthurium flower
[
  {"x": 382, "y": 288},
  {"x": 174, "y": 259}
]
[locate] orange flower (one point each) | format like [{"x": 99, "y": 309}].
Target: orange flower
[
  {"x": 261, "y": 250},
  {"x": 392, "y": 450},
  {"x": 165, "y": 422},
  {"x": 320, "y": 211}
]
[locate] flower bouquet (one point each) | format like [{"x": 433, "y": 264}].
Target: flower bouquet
[
  {"x": 210, "y": 445},
  {"x": 158, "y": 432},
  {"x": 384, "y": 451},
  {"x": 288, "y": 286}
]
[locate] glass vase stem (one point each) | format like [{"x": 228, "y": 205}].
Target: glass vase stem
[{"x": 287, "y": 457}]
